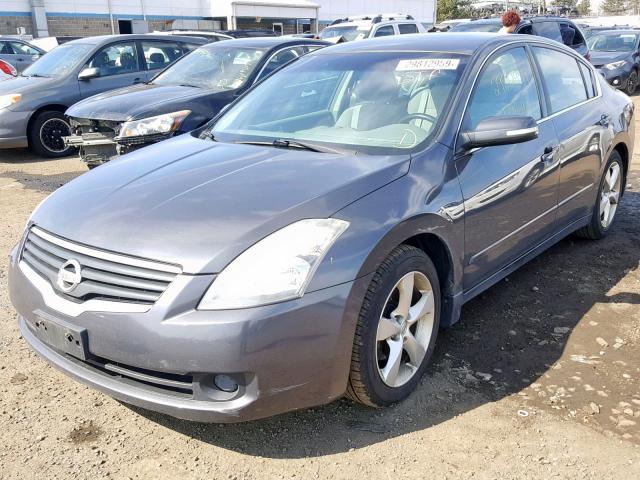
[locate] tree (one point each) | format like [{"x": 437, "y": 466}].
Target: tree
[
  {"x": 614, "y": 7},
  {"x": 584, "y": 7},
  {"x": 568, "y": 4},
  {"x": 450, "y": 9}
]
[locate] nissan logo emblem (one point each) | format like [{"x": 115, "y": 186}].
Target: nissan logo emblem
[{"x": 69, "y": 275}]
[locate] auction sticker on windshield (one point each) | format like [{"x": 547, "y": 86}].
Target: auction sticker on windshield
[{"x": 427, "y": 64}]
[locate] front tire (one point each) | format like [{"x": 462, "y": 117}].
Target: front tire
[
  {"x": 46, "y": 132},
  {"x": 396, "y": 329},
  {"x": 609, "y": 192},
  {"x": 632, "y": 84}
]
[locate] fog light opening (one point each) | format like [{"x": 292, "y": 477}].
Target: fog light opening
[{"x": 225, "y": 383}]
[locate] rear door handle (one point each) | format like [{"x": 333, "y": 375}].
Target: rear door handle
[{"x": 548, "y": 154}]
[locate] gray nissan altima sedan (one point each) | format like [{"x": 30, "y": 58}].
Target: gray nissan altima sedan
[{"x": 309, "y": 242}]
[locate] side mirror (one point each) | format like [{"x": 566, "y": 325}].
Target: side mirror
[
  {"x": 500, "y": 131},
  {"x": 89, "y": 73}
]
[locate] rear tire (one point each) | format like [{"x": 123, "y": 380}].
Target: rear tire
[
  {"x": 609, "y": 191},
  {"x": 46, "y": 132},
  {"x": 393, "y": 325}
]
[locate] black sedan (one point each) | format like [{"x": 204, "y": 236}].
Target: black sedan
[
  {"x": 616, "y": 55},
  {"x": 181, "y": 98}
]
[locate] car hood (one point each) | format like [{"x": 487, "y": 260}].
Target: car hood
[
  {"x": 602, "y": 58},
  {"x": 137, "y": 101},
  {"x": 199, "y": 204},
  {"x": 24, "y": 84}
]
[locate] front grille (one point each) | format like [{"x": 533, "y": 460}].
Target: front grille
[{"x": 104, "y": 275}]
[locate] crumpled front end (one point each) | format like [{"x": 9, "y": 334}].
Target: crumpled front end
[{"x": 99, "y": 141}]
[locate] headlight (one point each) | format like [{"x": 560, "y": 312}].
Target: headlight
[
  {"x": 615, "y": 65},
  {"x": 169, "y": 122},
  {"x": 277, "y": 268},
  {"x": 7, "y": 100}
]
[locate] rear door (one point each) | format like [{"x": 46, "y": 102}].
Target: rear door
[
  {"x": 573, "y": 96},
  {"x": 509, "y": 191},
  {"x": 119, "y": 66},
  {"x": 23, "y": 54}
]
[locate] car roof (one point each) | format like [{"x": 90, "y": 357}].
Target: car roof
[
  {"x": 270, "y": 42},
  {"x": 452, "y": 42},
  {"x": 618, "y": 31},
  {"x": 101, "y": 39}
]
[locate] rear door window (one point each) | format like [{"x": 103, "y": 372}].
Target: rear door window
[
  {"x": 562, "y": 78},
  {"x": 116, "y": 59},
  {"x": 384, "y": 31},
  {"x": 5, "y": 48},
  {"x": 548, "y": 30},
  {"x": 405, "y": 28},
  {"x": 159, "y": 55}
]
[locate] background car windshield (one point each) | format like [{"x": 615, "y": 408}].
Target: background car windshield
[
  {"x": 377, "y": 103},
  {"x": 59, "y": 61},
  {"x": 476, "y": 27},
  {"x": 613, "y": 42},
  {"x": 349, "y": 33},
  {"x": 213, "y": 67}
]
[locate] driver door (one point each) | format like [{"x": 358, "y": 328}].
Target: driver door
[
  {"x": 509, "y": 191},
  {"x": 119, "y": 66}
]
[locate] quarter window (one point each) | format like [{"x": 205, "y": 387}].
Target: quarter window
[
  {"x": 384, "y": 31},
  {"x": 404, "y": 28},
  {"x": 116, "y": 59},
  {"x": 588, "y": 79},
  {"x": 562, "y": 78},
  {"x": 505, "y": 87}
]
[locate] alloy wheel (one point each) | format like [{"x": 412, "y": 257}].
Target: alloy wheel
[
  {"x": 610, "y": 194},
  {"x": 404, "y": 329},
  {"x": 51, "y": 133}
]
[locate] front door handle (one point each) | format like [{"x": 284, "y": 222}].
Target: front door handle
[{"x": 137, "y": 80}]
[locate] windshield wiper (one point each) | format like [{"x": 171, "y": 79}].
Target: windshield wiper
[
  {"x": 188, "y": 85},
  {"x": 292, "y": 144},
  {"x": 36, "y": 75}
]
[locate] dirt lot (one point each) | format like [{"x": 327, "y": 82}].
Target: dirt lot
[{"x": 538, "y": 380}]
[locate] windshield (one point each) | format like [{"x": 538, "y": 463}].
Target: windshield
[
  {"x": 348, "y": 33},
  {"x": 476, "y": 27},
  {"x": 376, "y": 103},
  {"x": 613, "y": 42},
  {"x": 213, "y": 67},
  {"x": 59, "y": 61}
]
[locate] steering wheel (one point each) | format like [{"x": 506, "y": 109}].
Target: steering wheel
[{"x": 419, "y": 116}]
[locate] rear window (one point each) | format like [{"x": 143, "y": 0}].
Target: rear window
[
  {"x": 548, "y": 30},
  {"x": 407, "y": 28}
]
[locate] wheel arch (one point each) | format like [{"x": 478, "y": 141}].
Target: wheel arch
[
  {"x": 427, "y": 232},
  {"x": 52, "y": 107},
  {"x": 623, "y": 151}
]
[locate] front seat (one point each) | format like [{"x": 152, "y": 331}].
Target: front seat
[
  {"x": 375, "y": 104},
  {"x": 430, "y": 99}
]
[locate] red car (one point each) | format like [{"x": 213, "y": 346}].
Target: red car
[{"x": 6, "y": 69}]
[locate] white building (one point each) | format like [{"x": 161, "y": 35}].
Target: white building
[{"x": 94, "y": 17}]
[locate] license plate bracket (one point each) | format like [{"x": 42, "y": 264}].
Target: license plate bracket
[{"x": 61, "y": 336}]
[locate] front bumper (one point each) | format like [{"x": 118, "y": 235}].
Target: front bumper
[
  {"x": 286, "y": 356},
  {"x": 13, "y": 129},
  {"x": 616, "y": 78}
]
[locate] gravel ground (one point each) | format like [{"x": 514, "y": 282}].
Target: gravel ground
[{"x": 538, "y": 380}]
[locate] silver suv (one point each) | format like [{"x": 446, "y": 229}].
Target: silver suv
[{"x": 369, "y": 26}]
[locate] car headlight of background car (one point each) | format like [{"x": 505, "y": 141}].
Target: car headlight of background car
[
  {"x": 166, "y": 123},
  {"x": 11, "y": 99},
  {"x": 277, "y": 268},
  {"x": 615, "y": 65}
]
